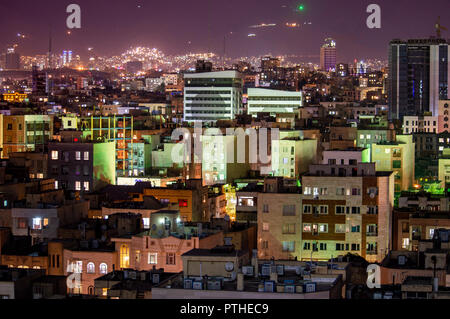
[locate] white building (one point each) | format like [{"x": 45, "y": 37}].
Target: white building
[
  {"x": 414, "y": 124},
  {"x": 273, "y": 101},
  {"x": 212, "y": 96}
]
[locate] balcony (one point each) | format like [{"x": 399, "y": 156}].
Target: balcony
[
  {"x": 372, "y": 234},
  {"x": 371, "y": 252}
]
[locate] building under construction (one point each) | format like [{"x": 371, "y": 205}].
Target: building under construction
[{"x": 113, "y": 128}]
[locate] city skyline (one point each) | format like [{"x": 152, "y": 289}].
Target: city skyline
[{"x": 195, "y": 29}]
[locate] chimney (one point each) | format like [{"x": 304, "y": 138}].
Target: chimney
[{"x": 240, "y": 282}]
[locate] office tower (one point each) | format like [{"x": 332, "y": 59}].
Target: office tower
[
  {"x": 212, "y": 96},
  {"x": 273, "y": 101},
  {"x": 12, "y": 59},
  {"x": 328, "y": 55},
  {"x": 66, "y": 57},
  {"x": 269, "y": 68},
  {"x": 418, "y": 76}
]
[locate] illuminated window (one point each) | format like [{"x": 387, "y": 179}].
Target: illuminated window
[
  {"x": 86, "y": 186},
  {"x": 307, "y": 191},
  {"x": 146, "y": 222},
  {"x": 23, "y": 223},
  {"x": 86, "y": 156},
  {"x": 124, "y": 256},
  {"x": 78, "y": 156},
  {"x": 323, "y": 228},
  {"x": 103, "y": 268},
  {"x": 288, "y": 246},
  {"x": 77, "y": 185},
  {"x": 56, "y": 184},
  {"x": 152, "y": 258},
  {"x": 90, "y": 268},
  {"x": 37, "y": 223},
  {"x": 54, "y": 155},
  {"x": 265, "y": 226},
  {"x": 182, "y": 203},
  {"x": 45, "y": 222},
  {"x": 307, "y": 228}
]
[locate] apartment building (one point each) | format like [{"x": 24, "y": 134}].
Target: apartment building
[
  {"x": 346, "y": 209},
  {"x": 398, "y": 157},
  {"x": 82, "y": 166},
  {"x": 272, "y": 101}
]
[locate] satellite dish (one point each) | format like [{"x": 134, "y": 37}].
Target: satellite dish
[{"x": 229, "y": 266}]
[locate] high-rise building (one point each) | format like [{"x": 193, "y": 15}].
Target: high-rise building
[
  {"x": 269, "y": 68},
  {"x": 418, "y": 76},
  {"x": 212, "y": 96},
  {"x": 328, "y": 55},
  {"x": 39, "y": 80},
  {"x": 12, "y": 59},
  {"x": 66, "y": 57}
]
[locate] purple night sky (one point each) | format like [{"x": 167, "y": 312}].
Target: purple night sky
[{"x": 111, "y": 26}]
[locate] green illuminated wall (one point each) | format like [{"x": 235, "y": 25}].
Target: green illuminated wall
[{"x": 104, "y": 164}]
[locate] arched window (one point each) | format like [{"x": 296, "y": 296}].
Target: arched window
[
  {"x": 90, "y": 268},
  {"x": 445, "y": 112},
  {"x": 124, "y": 256},
  {"x": 103, "y": 268}
]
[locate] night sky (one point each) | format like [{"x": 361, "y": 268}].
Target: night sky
[{"x": 112, "y": 26}]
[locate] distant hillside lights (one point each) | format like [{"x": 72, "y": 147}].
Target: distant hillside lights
[{"x": 215, "y": 151}]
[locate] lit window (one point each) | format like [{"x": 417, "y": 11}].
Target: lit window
[
  {"x": 323, "y": 228},
  {"x": 146, "y": 222},
  {"x": 124, "y": 256},
  {"x": 54, "y": 155},
  {"x": 103, "y": 268},
  {"x": 90, "y": 268},
  {"x": 86, "y": 186},
  {"x": 387, "y": 151},
  {"x": 307, "y": 191},
  {"x": 37, "y": 223},
  {"x": 182, "y": 203},
  {"x": 56, "y": 184},
  {"x": 307, "y": 228},
  {"x": 78, "y": 156},
  {"x": 265, "y": 226},
  {"x": 152, "y": 258},
  {"x": 86, "y": 156},
  {"x": 77, "y": 185}
]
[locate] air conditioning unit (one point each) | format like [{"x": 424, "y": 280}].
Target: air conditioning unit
[
  {"x": 401, "y": 260},
  {"x": 265, "y": 270},
  {"x": 197, "y": 285},
  {"x": 214, "y": 285},
  {"x": 155, "y": 278},
  {"x": 280, "y": 270},
  {"x": 290, "y": 289},
  {"x": 269, "y": 286},
  {"x": 247, "y": 270},
  {"x": 188, "y": 283},
  {"x": 310, "y": 287}
]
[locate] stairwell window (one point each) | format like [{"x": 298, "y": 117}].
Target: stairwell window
[
  {"x": 54, "y": 155},
  {"x": 152, "y": 258}
]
